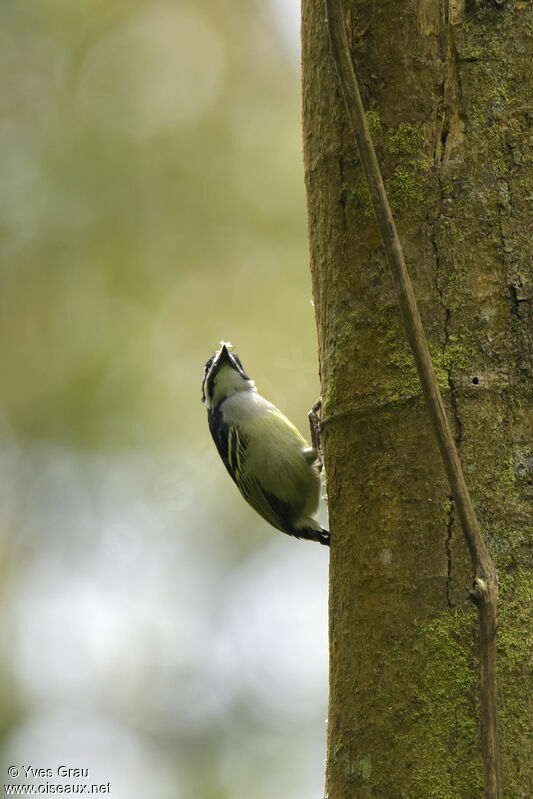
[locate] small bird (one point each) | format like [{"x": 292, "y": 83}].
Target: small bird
[{"x": 274, "y": 468}]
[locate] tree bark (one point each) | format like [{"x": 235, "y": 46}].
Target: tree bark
[{"x": 446, "y": 90}]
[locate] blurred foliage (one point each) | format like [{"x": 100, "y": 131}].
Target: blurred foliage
[{"x": 152, "y": 203}]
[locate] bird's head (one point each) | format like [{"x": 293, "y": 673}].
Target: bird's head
[{"x": 223, "y": 375}]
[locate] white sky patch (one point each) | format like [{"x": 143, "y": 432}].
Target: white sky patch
[{"x": 287, "y": 16}]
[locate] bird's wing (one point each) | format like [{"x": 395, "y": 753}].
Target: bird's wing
[
  {"x": 231, "y": 446},
  {"x": 267, "y": 505}
]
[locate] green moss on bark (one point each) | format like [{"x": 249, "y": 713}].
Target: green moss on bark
[{"x": 445, "y": 757}]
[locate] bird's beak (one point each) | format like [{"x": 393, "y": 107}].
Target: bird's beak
[{"x": 224, "y": 355}]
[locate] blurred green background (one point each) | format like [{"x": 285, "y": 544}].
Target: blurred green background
[{"x": 154, "y": 630}]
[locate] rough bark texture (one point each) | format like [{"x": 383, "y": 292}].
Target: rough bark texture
[{"x": 446, "y": 88}]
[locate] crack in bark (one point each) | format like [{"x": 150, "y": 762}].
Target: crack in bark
[
  {"x": 446, "y": 330},
  {"x": 447, "y": 119},
  {"x": 515, "y": 295},
  {"x": 515, "y": 301},
  {"x": 446, "y": 114},
  {"x": 456, "y": 417},
  {"x": 440, "y": 292},
  {"x": 448, "y": 549},
  {"x": 513, "y": 276},
  {"x": 449, "y": 103},
  {"x": 344, "y": 190},
  {"x": 442, "y": 127}
]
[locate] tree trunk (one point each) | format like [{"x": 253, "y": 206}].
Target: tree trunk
[{"x": 446, "y": 90}]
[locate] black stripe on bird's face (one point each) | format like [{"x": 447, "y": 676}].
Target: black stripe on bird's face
[{"x": 207, "y": 367}]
